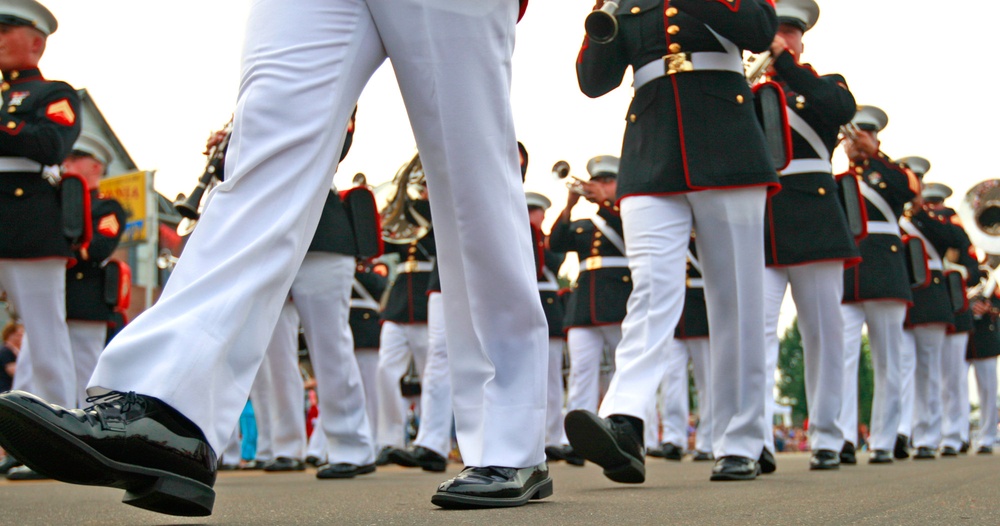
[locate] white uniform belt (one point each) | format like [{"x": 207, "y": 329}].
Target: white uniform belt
[
  {"x": 545, "y": 286},
  {"x": 599, "y": 262},
  {"x": 359, "y": 303},
  {"x": 416, "y": 266},
  {"x": 684, "y": 62},
  {"x": 934, "y": 265},
  {"x": 807, "y": 166},
  {"x": 19, "y": 164},
  {"x": 695, "y": 283},
  {"x": 883, "y": 227}
]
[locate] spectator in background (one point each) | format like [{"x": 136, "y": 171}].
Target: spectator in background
[{"x": 13, "y": 334}]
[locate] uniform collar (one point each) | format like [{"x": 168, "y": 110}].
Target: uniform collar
[{"x": 22, "y": 75}]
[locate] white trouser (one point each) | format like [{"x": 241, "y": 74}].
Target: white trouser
[
  {"x": 954, "y": 406},
  {"x": 233, "y": 451},
  {"x": 555, "y": 396},
  {"x": 817, "y": 289},
  {"x": 729, "y": 231},
  {"x": 885, "y": 339},
  {"x": 986, "y": 383},
  {"x": 907, "y": 374},
  {"x": 929, "y": 346},
  {"x": 367, "y": 359},
  {"x": 37, "y": 288},
  {"x": 321, "y": 292},
  {"x": 317, "y": 442},
  {"x": 435, "y": 384},
  {"x": 277, "y": 393},
  {"x": 307, "y": 66},
  {"x": 673, "y": 400},
  {"x": 87, "y": 339},
  {"x": 586, "y": 348},
  {"x": 398, "y": 343}
]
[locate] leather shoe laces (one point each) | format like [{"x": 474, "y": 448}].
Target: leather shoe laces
[{"x": 113, "y": 407}]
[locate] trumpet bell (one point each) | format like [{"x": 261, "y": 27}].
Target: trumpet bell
[
  {"x": 980, "y": 213},
  {"x": 601, "y": 25}
]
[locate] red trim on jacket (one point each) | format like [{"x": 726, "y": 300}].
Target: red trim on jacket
[
  {"x": 848, "y": 262},
  {"x": 520, "y": 12},
  {"x": 773, "y": 188},
  {"x": 13, "y": 131},
  {"x": 734, "y": 5}
]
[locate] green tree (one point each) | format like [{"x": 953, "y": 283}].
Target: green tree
[
  {"x": 866, "y": 383},
  {"x": 791, "y": 373}
]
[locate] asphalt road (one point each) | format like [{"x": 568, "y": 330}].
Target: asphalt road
[{"x": 963, "y": 490}]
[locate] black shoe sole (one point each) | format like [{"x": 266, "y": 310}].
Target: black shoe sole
[
  {"x": 68, "y": 459},
  {"x": 362, "y": 470},
  {"x": 591, "y": 439},
  {"x": 886, "y": 461},
  {"x": 821, "y": 467},
  {"x": 457, "y": 501}
]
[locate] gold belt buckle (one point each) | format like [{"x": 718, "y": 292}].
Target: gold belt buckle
[
  {"x": 593, "y": 263},
  {"x": 410, "y": 266},
  {"x": 677, "y": 63}
]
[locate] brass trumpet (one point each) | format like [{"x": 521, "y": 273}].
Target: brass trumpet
[
  {"x": 756, "y": 66},
  {"x": 601, "y": 25},
  {"x": 561, "y": 171}
]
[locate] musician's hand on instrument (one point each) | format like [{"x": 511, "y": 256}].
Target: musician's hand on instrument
[
  {"x": 980, "y": 307},
  {"x": 778, "y": 46},
  {"x": 572, "y": 199},
  {"x": 214, "y": 140},
  {"x": 599, "y": 4}
]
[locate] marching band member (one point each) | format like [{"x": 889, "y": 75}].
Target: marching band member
[
  {"x": 548, "y": 262},
  {"x": 877, "y": 291},
  {"x": 404, "y": 336},
  {"x": 87, "y": 310},
  {"x": 430, "y": 448},
  {"x": 984, "y": 347},
  {"x": 954, "y": 369},
  {"x": 597, "y": 304},
  {"x": 693, "y": 156},
  {"x": 928, "y": 320},
  {"x": 39, "y": 122},
  {"x": 807, "y": 240}
]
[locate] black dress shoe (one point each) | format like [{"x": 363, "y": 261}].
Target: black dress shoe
[
  {"x": 614, "y": 443},
  {"x": 654, "y": 452},
  {"x": 948, "y": 451},
  {"x": 494, "y": 487},
  {"x": 925, "y": 453},
  {"x": 902, "y": 449},
  {"x": 572, "y": 457},
  {"x": 284, "y": 464},
  {"x": 672, "y": 452},
  {"x": 702, "y": 456},
  {"x": 824, "y": 459},
  {"x": 314, "y": 461},
  {"x": 382, "y": 458},
  {"x": 735, "y": 468},
  {"x": 127, "y": 441},
  {"x": 880, "y": 456},
  {"x": 343, "y": 470},
  {"x": 964, "y": 449},
  {"x": 418, "y": 457},
  {"x": 847, "y": 454},
  {"x": 228, "y": 467},
  {"x": 254, "y": 465},
  {"x": 9, "y": 463},
  {"x": 767, "y": 462},
  {"x": 985, "y": 450}
]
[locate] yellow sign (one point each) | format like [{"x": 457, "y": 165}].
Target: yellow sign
[{"x": 130, "y": 191}]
